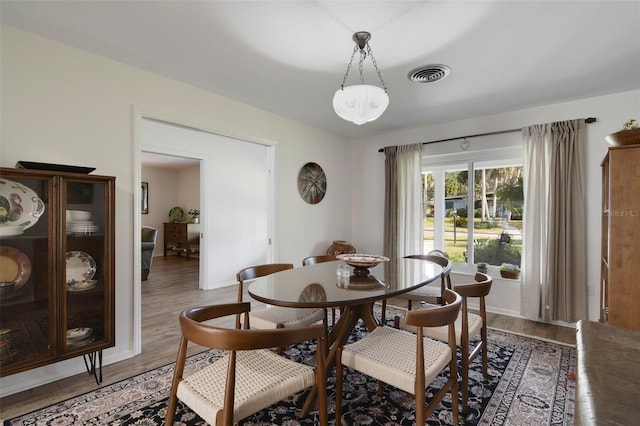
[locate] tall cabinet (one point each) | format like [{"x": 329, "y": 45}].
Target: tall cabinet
[
  {"x": 57, "y": 285},
  {"x": 620, "y": 263}
]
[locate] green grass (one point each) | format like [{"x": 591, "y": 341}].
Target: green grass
[{"x": 456, "y": 250}]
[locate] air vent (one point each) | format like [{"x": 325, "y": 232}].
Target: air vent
[{"x": 429, "y": 73}]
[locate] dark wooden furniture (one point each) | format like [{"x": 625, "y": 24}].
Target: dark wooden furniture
[
  {"x": 608, "y": 378},
  {"x": 620, "y": 268},
  {"x": 468, "y": 326},
  {"x": 64, "y": 305},
  {"x": 182, "y": 237},
  {"x": 376, "y": 355},
  {"x": 277, "y": 316},
  {"x": 263, "y": 377},
  {"x": 316, "y": 286},
  {"x": 312, "y": 260},
  {"x": 427, "y": 293}
]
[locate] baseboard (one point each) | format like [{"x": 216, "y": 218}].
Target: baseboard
[{"x": 30, "y": 379}]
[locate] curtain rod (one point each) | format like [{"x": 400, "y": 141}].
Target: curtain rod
[{"x": 499, "y": 132}]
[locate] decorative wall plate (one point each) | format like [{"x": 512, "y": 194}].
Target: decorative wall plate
[
  {"x": 19, "y": 205},
  {"x": 15, "y": 266},
  {"x": 80, "y": 267},
  {"x": 312, "y": 183}
]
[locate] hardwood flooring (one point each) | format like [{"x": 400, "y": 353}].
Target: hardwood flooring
[{"x": 171, "y": 288}]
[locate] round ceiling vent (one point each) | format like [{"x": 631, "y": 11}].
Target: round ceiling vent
[{"x": 429, "y": 73}]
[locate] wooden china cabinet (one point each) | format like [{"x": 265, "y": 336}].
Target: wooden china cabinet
[
  {"x": 620, "y": 266},
  {"x": 57, "y": 274}
]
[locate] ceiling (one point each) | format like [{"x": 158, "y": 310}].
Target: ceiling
[{"x": 289, "y": 57}]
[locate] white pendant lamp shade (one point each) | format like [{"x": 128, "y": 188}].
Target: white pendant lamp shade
[{"x": 360, "y": 103}]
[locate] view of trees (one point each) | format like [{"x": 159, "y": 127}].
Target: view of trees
[{"x": 497, "y": 211}]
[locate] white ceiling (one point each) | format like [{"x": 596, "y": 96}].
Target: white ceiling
[{"x": 289, "y": 57}]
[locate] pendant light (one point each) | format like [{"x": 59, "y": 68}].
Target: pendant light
[{"x": 361, "y": 103}]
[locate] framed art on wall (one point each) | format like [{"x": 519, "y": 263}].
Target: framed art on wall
[{"x": 145, "y": 198}]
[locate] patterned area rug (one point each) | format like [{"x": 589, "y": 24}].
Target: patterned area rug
[{"x": 527, "y": 385}]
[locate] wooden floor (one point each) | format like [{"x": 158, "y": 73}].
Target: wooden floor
[{"x": 171, "y": 288}]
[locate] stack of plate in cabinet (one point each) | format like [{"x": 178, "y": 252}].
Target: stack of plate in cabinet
[
  {"x": 79, "y": 336},
  {"x": 79, "y": 223},
  {"x": 10, "y": 230}
]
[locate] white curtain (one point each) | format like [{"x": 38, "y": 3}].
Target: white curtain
[
  {"x": 403, "y": 201},
  {"x": 554, "y": 229}
]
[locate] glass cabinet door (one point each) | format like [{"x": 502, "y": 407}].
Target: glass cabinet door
[
  {"x": 87, "y": 294},
  {"x": 27, "y": 273}
]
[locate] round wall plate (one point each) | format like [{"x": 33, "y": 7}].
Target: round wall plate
[{"x": 312, "y": 183}]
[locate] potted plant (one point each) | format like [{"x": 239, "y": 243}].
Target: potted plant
[
  {"x": 509, "y": 270},
  {"x": 195, "y": 215},
  {"x": 482, "y": 267},
  {"x": 629, "y": 135}
]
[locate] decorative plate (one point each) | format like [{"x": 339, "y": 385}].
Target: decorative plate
[
  {"x": 79, "y": 333},
  {"x": 176, "y": 213},
  {"x": 80, "y": 267},
  {"x": 15, "y": 266},
  {"x": 19, "y": 205},
  {"x": 312, "y": 183},
  {"x": 81, "y": 285},
  {"x": 362, "y": 260}
]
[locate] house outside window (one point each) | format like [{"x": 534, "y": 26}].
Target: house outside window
[{"x": 478, "y": 222}]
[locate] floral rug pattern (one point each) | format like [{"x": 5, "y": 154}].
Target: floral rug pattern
[{"x": 527, "y": 385}]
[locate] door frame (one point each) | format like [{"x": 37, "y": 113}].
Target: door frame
[{"x": 138, "y": 114}]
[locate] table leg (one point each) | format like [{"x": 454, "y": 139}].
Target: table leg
[{"x": 338, "y": 337}]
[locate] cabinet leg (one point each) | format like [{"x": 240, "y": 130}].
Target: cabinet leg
[{"x": 94, "y": 364}]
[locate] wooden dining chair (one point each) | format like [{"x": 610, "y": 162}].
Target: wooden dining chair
[
  {"x": 276, "y": 316},
  {"x": 250, "y": 376},
  {"x": 467, "y": 326},
  {"x": 312, "y": 260},
  {"x": 426, "y": 292},
  {"x": 406, "y": 360}
]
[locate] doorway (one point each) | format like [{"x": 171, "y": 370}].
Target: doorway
[{"x": 236, "y": 193}]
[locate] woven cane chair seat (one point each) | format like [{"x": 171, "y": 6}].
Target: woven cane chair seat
[
  {"x": 389, "y": 355},
  {"x": 262, "y": 379},
  {"x": 277, "y": 317}
]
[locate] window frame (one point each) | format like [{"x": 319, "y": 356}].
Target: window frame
[{"x": 438, "y": 164}]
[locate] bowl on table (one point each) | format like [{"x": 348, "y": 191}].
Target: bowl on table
[{"x": 362, "y": 262}]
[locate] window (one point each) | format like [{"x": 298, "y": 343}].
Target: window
[{"x": 479, "y": 220}]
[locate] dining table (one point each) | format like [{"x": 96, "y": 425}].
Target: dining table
[{"x": 321, "y": 286}]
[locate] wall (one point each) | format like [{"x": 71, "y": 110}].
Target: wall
[
  {"x": 63, "y": 105},
  {"x": 169, "y": 187},
  {"x": 163, "y": 193},
  {"x": 610, "y": 110}
]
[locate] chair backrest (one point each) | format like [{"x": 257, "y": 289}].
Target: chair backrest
[
  {"x": 438, "y": 316},
  {"x": 193, "y": 329},
  {"x": 233, "y": 340},
  {"x": 480, "y": 288},
  {"x": 148, "y": 234},
  {"x": 256, "y": 271},
  {"x": 443, "y": 261},
  {"x": 312, "y": 260},
  {"x": 437, "y": 252}
]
